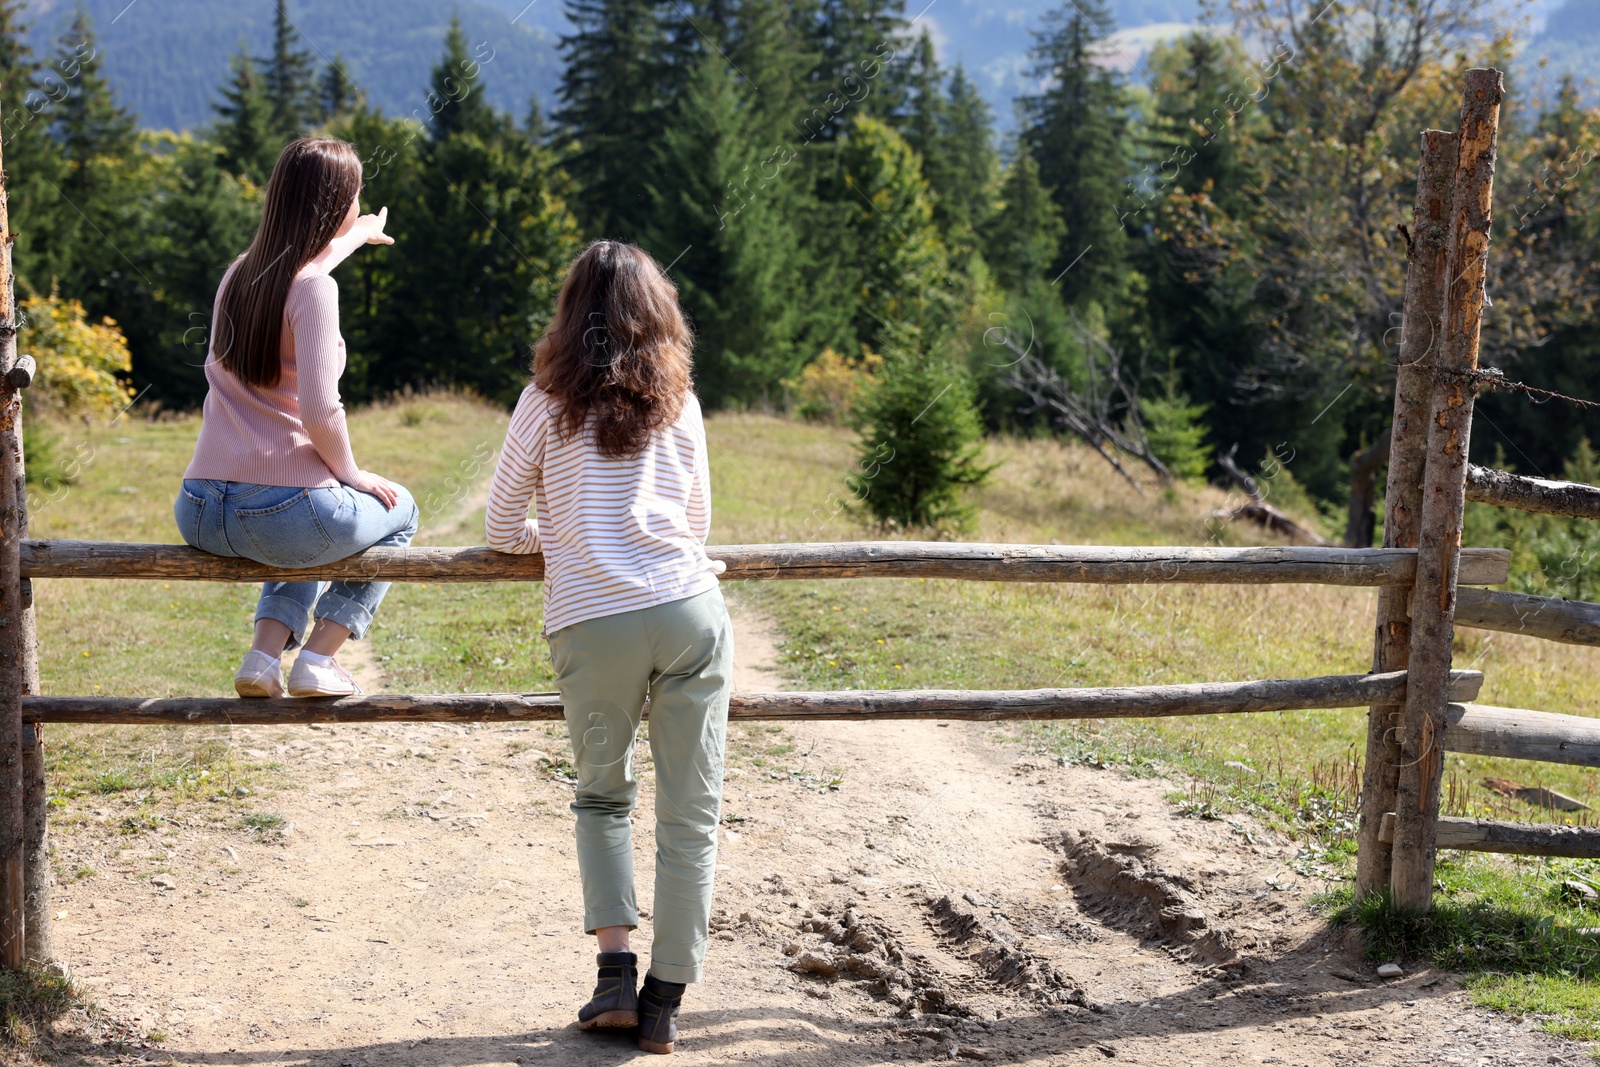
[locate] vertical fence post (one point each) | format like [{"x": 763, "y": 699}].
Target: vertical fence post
[
  {"x": 12, "y": 844},
  {"x": 37, "y": 879},
  {"x": 1421, "y": 327},
  {"x": 1433, "y": 601}
]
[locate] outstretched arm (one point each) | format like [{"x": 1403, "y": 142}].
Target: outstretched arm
[{"x": 367, "y": 230}]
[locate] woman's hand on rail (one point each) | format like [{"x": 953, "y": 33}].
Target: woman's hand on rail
[
  {"x": 371, "y": 228},
  {"x": 376, "y": 486}
]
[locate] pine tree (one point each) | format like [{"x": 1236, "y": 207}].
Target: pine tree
[
  {"x": 41, "y": 247},
  {"x": 17, "y": 64},
  {"x": 288, "y": 81},
  {"x": 724, "y": 225},
  {"x": 337, "y": 94},
  {"x": 858, "y": 45},
  {"x": 921, "y": 443},
  {"x": 1192, "y": 140},
  {"x": 244, "y": 128},
  {"x": 89, "y": 125},
  {"x": 476, "y": 193},
  {"x": 454, "y": 94},
  {"x": 1022, "y": 239},
  {"x": 924, "y": 118},
  {"x": 953, "y": 133},
  {"x": 1076, "y": 130},
  {"x": 893, "y": 256},
  {"x": 966, "y": 176},
  {"x": 203, "y": 218},
  {"x": 536, "y": 127},
  {"x": 611, "y": 103}
]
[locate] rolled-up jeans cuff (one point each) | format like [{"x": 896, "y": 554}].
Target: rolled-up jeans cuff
[
  {"x": 346, "y": 612},
  {"x": 289, "y": 611},
  {"x": 628, "y": 917}
]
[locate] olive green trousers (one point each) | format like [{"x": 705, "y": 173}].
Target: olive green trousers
[{"x": 680, "y": 655}]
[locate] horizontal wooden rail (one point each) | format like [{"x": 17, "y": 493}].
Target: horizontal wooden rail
[
  {"x": 1511, "y": 733},
  {"x": 1130, "y": 702},
  {"x": 1510, "y": 838},
  {"x": 858, "y": 559},
  {"x": 1572, "y": 622},
  {"x": 1539, "y": 495}
]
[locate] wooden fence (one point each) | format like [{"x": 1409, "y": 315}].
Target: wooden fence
[{"x": 1418, "y": 704}]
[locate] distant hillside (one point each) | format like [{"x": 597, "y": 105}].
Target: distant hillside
[
  {"x": 1576, "y": 18},
  {"x": 1568, "y": 42},
  {"x": 167, "y": 57}
]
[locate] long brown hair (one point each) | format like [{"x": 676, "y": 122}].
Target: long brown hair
[
  {"x": 310, "y": 191},
  {"x": 617, "y": 351}
]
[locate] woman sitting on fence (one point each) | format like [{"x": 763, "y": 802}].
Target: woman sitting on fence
[
  {"x": 607, "y": 443},
  {"x": 273, "y": 478}
]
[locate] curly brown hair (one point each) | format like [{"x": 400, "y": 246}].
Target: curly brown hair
[{"x": 617, "y": 354}]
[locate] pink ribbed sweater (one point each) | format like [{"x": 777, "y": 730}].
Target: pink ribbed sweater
[{"x": 293, "y": 433}]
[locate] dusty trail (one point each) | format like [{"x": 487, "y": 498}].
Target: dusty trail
[{"x": 422, "y": 909}]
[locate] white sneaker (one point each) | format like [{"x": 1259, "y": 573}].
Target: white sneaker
[
  {"x": 307, "y": 679},
  {"x": 259, "y": 676}
]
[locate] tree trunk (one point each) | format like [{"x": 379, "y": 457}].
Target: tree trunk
[{"x": 1363, "y": 519}]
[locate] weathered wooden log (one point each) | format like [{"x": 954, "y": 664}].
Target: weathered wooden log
[
  {"x": 38, "y": 920},
  {"x": 13, "y": 847},
  {"x": 1572, "y": 622},
  {"x": 1539, "y": 495},
  {"x": 980, "y": 705},
  {"x": 22, "y": 371},
  {"x": 858, "y": 559},
  {"x": 1512, "y": 733},
  {"x": 1426, "y": 253},
  {"x": 1444, "y": 486},
  {"x": 1512, "y": 838}
]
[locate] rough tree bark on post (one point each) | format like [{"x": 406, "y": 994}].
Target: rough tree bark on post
[
  {"x": 1427, "y": 248},
  {"x": 1444, "y": 496},
  {"x": 37, "y": 877},
  {"x": 12, "y": 670}
]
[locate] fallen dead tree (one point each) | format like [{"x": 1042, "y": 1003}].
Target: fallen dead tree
[{"x": 1258, "y": 510}]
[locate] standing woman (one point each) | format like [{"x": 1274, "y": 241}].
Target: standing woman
[
  {"x": 272, "y": 478},
  {"x": 607, "y": 443}
]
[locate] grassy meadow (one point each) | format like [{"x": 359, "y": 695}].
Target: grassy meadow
[{"x": 778, "y": 480}]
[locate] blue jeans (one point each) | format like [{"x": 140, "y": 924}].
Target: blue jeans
[{"x": 283, "y": 526}]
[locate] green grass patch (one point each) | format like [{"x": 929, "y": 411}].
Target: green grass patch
[
  {"x": 31, "y": 1000},
  {"x": 1526, "y": 932}
]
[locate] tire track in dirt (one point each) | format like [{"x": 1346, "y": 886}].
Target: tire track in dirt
[{"x": 423, "y": 911}]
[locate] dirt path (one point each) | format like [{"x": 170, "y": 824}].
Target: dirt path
[{"x": 949, "y": 898}]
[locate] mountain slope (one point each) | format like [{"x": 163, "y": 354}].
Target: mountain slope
[{"x": 168, "y": 57}]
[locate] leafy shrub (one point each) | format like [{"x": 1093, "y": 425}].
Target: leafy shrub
[
  {"x": 81, "y": 363},
  {"x": 828, "y": 388}
]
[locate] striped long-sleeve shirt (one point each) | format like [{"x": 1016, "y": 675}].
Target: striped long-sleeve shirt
[{"x": 618, "y": 533}]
